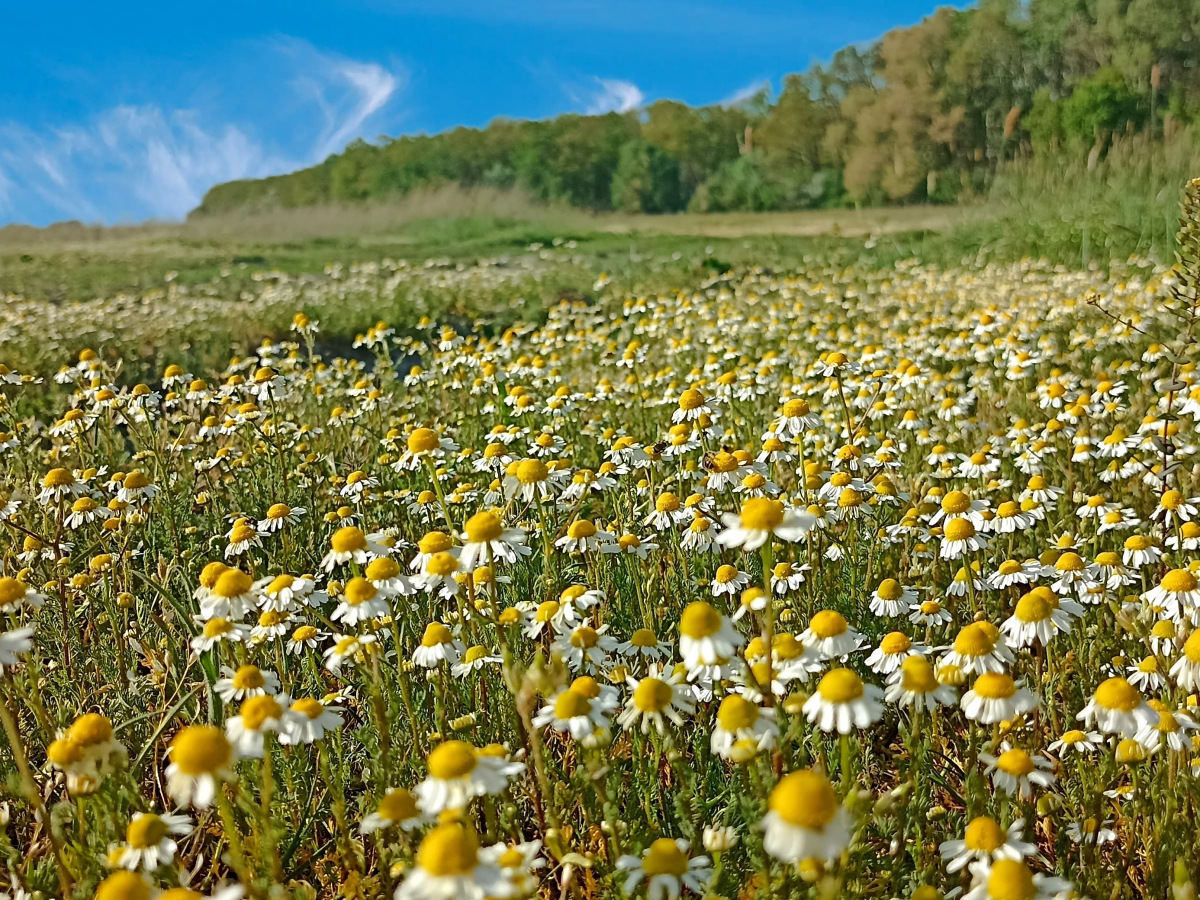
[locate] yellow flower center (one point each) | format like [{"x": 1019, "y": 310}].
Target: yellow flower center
[
  {"x": 995, "y": 686},
  {"x": 123, "y": 885},
  {"x": 1033, "y": 607},
  {"x": 91, "y": 729},
  {"x": 484, "y": 527},
  {"x": 917, "y": 675},
  {"x": 584, "y": 637},
  {"x": 358, "y": 590},
  {"x": 737, "y": 713},
  {"x": 383, "y": 569},
  {"x": 890, "y": 589},
  {"x": 398, "y": 805},
  {"x": 652, "y": 695},
  {"x": 11, "y": 591},
  {"x": 436, "y": 634},
  {"x": 581, "y": 528},
  {"x": 974, "y": 640},
  {"x": 1118, "y": 694},
  {"x": 840, "y": 686},
  {"x": 804, "y": 799},
  {"x": 1179, "y": 581},
  {"x": 1011, "y": 879},
  {"x": 956, "y": 503},
  {"x": 232, "y": 583},
  {"x": 665, "y": 857},
  {"x": 453, "y": 759},
  {"x": 248, "y": 678},
  {"x": 959, "y": 530},
  {"x": 571, "y": 705},
  {"x": 895, "y": 642},
  {"x": 691, "y": 399},
  {"x": 423, "y": 440},
  {"x": 442, "y": 564},
  {"x": 57, "y": 478},
  {"x": 257, "y": 711},
  {"x": 700, "y": 620},
  {"x": 762, "y": 514},
  {"x": 828, "y": 623},
  {"x": 349, "y": 539},
  {"x": 984, "y": 833},
  {"x": 532, "y": 471},
  {"x": 449, "y": 850},
  {"x": 435, "y": 542},
  {"x": 200, "y": 750},
  {"x": 1015, "y": 762}
]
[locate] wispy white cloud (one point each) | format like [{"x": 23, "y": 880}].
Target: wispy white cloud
[
  {"x": 134, "y": 162},
  {"x": 742, "y": 94},
  {"x": 614, "y": 95}
]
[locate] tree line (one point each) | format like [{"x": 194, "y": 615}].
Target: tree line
[{"x": 928, "y": 113}]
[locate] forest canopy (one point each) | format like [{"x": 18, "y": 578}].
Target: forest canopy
[{"x": 926, "y": 114}]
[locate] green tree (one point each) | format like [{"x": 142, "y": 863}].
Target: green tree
[{"x": 646, "y": 180}]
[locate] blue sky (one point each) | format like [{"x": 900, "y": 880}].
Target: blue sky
[{"x": 120, "y": 112}]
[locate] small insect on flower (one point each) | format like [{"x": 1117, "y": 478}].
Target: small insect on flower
[{"x": 666, "y": 868}]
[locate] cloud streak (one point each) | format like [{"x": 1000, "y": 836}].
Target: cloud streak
[
  {"x": 614, "y": 95},
  {"x": 136, "y": 162}
]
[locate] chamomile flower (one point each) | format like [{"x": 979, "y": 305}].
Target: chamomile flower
[
  {"x": 667, "y": 868},
  {"x": 738, "y": 719},
  {"x": 458, "y": 773},
  {"x": 1016, "y": 771},
  {"x": 804, "y": 820},
  {"x": 843, "y": 702},
  {"x": 201, "y": 757},
  {"x": 996, "y": 697},
  {"x": 397, "y": 808},
  {"x": 308, "y": 719},
  {"x": 1008, "y": 879},
  {"x": 706, "y": 638},
  {"x": 449, "y": 867},
  {"x": 760, "y": 518},
  {"x": 148, "y": 841},
  {"x": 985, "y": 841},
  {"x": 1117, "y": 708},
  {"x": 657, "y": 697}
]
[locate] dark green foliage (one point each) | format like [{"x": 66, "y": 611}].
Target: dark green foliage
[
  {"x": 647, "y": 180},
  {"x": 934, "y": 112}
]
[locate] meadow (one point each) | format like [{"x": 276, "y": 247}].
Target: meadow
[{"x": 516, "y": 557}]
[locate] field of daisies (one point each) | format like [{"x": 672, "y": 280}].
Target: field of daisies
[{"x": 814, "y": 583}]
